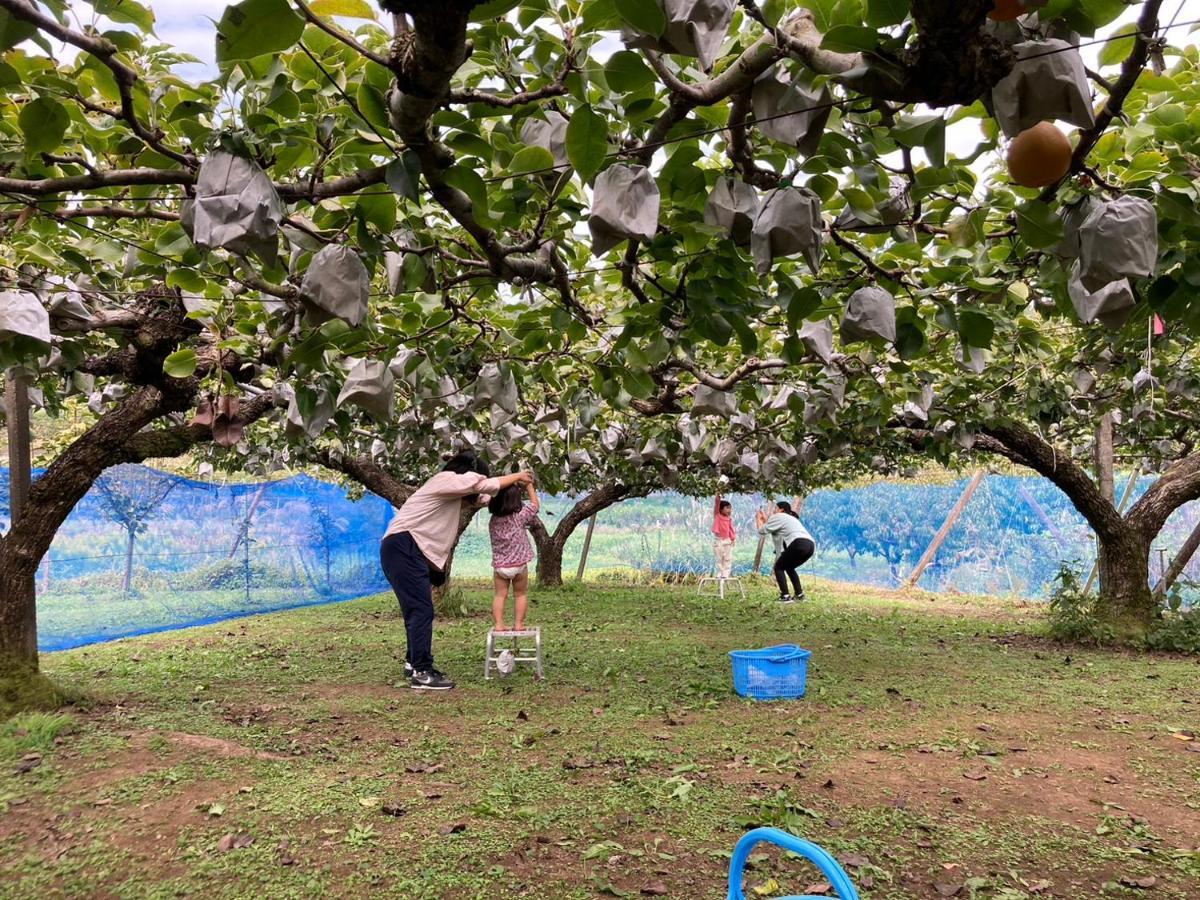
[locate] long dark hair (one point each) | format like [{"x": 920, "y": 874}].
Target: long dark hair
[
  {"x": 507, "y": 502},
  {"x": 784, "y": 507},
  {"x": 465, "y": 461}
]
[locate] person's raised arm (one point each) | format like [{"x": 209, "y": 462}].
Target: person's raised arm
[
  {"x": 531, "y": 491},
  {"x": 515, "y": 478},
  {"x": 717, "y": 505}
]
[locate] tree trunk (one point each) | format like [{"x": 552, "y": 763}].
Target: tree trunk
[
  {"x": 549, "y": 557},
  {"x": 1125, "y": 600},
  {"x": 131, "y": 539}
]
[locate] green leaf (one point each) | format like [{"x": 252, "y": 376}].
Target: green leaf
[
  {"x": 1039, "y": 225},
  {"x": 886, "y": 12},
  {"x": 645, "y": 16},
  {"x": 493, "y": 9},
  {"x": 625, "y": 72},
  {"x": 587, "y": 141},
  {"x": 13, "y": 30},
  {"x": 181, "y": 363},
  {"x": 350, "y": 9},
  {"x": 975, "y": 328},
  {"x": 373, "y": 106},
  {"x": 531, "y": 159},
  {"x": 928, "y": 132},
  {"x": 255, "y": 28},
  {"x": 126, "y": 11},
  {"x": 402, "y": 174},
  {"x": 471, "y": 183},
  {"x": 378, "y": 209},
  {"x": 1117, "y": 48},
  {"x": 43, "y": 122},
  {"x": 850, "y": 39}
]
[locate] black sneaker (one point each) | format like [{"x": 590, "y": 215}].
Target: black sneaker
[
  {"x": 784, "y": 598},
  {"x": 408, "y": 669},
  {"x": 802, "y": 596},
  {"x": 433, "y": 680}
]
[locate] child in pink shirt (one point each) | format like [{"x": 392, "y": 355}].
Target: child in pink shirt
[
  {"x": 512, "y": 550},
  {"x": 722, "y": 529}
]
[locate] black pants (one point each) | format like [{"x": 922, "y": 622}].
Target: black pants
[
  {"x": 794, "y": 555},
  {"x": 408, "y": 572}
]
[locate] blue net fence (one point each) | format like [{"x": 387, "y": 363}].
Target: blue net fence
[{"x": 147, "y": 550}]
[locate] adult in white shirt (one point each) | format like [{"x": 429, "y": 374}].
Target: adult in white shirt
[
  {"x": 417, "y": 544},
  {"x": 794, "y": 547}
]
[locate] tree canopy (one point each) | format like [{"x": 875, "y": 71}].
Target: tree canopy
[{"x": 613, "y": 239}]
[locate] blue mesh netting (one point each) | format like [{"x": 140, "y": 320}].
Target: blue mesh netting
[{"x": 147, "y": 551}]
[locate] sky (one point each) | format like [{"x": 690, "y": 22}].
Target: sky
[{"x": 188, "y": 24}]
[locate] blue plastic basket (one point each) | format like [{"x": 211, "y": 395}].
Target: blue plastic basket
[
  {"x": 829, "y": 867},
  {"x": 772, "y": 673}
]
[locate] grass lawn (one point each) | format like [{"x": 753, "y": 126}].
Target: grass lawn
[{"x": 943, "y": 750}]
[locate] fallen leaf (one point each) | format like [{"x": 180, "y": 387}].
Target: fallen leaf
[
  {"x": 1039, "y": 887},
  {"x": 657, "y": 889},
  {"x": 522, "y": 716},
  {"x": 819, "y": 889},
  {"x": 766, "y": 888},
  {"x": 948, "y": 888},
  {"x": 453, "y": 828},
  {"x": 369, "y": 802},
  {"x": 393, "y": 809},
  {"x": 854, "y": 860},
  {"x": 975, "y": 775}
]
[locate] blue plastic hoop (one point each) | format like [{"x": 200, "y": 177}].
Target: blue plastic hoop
[{"x": 829, "y": 867}]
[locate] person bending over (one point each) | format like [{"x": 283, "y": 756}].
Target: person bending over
[
  {"x": 725, "y": 535},
  {"x": 793, "y": 547},
  {"x": 511, "y": 550},
  {"x": 417, "y": 544}
]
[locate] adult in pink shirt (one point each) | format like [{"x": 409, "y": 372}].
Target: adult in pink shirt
[
  {"x": 722, "y": 530},
  {"x": 417, "y": 544}
]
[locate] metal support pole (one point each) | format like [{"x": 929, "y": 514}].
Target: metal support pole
[
  {"x": 1041, "y": 514},
  {"x": 932, "y": 549},
  {"x": 1179, "y": 563},
  {"x": 587, "y": 545},
  {"x": 16, "y": 402}
]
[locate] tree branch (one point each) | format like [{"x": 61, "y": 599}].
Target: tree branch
[
  {"x": 1175, "y": 487},
  {"x": 337, "y": 33},
  {"x": 367, "y": 473},
  {"x": 93, "y": 212},
  {"x": 1024, "y": 446},
  {"x": 179, "y": 439},
  {"x": 105, "y": 51}
]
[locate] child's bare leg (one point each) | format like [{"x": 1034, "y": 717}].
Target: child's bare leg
[
  {"x": 499, "y": 597},
  {"x": 521, "y": 590}
]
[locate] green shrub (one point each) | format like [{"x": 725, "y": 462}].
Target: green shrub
[
  {"x": 1073, "y": 616},
  {"x": 1178, "y": 629},
  {"x": 29, "y": 732},
  {"x": 450, "y": 603},
  {"x": 229, "y": 575}
]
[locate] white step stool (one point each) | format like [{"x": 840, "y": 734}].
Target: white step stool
[
  {"x": 522, "y": 650},
  {"x": 720, "y": 583}
]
